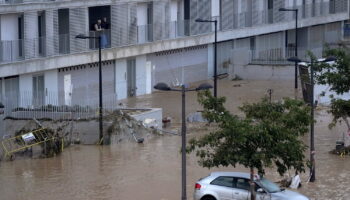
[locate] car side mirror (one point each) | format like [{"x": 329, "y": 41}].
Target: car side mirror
[{"x": 260, "y": 190}]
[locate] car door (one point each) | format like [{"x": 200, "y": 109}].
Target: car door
[
  {"x": 261, "y": 194},
  {"x": 241, "y": 188},
  {"x": 223, "y": 187}
]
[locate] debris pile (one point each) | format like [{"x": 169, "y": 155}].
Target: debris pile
[{"x": 123, "y": 127}]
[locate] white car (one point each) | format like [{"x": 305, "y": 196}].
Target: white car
[{"x": 235, "y": 186}]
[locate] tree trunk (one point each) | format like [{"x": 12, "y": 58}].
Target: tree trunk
[
  {"x": 252, "y": 184},
  {"x": 347, "y": 134}
]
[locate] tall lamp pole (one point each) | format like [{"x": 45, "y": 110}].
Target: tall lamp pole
[
  {"x": 295, "y": 49},
  {"x": 215, "y": 52},
  {"x": 312, "y": 105},
  {"x": 183, "y": 90},
  {"x": 81, "y": 36}
]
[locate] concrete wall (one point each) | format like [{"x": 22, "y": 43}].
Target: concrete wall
[
  {"x": 85, "y": 82},
  {"x": 154, "y": 113},
  {"x": 264, "y": 72},
  {"x": 9, "y": 27},
  {"x": 180, "y": 66},
  {"x": 26, "y": 90},
  {"x": 141, "y": 75},
  {"x": 51, "y": 86},
  {"x": 142, "y": 21}
]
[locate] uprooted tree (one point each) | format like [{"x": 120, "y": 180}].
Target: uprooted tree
[
  {"x": 337, "y": 76},
  {"x": 268, "y": 135}
]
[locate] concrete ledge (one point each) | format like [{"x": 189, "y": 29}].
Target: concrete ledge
[{"x": 265, "y": 72}]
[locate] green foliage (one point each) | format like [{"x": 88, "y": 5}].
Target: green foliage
[
  {"x": 269, "y": 134},
  {"x": 337, "y": 76},
  {"x": 340, "y": 109}
]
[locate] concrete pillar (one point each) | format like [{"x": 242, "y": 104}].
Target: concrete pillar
[
  {"x": 78, "y": 18},
  {"x": 142, "y": 22}
]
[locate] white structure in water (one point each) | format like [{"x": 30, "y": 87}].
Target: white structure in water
[{"x": 41, "y": 61}]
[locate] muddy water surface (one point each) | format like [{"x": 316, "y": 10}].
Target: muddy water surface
[{"x": 152, "y": 170}]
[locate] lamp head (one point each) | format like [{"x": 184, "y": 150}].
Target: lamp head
[
  {"x": 199, "y": 20},
  {"x": 282, "y": 9},
  {"x": 204, "y": 86},
  {"x": 162, "y": 86},
  {"x": 81, "y": 36},
  {"x": 294, "y": 59},
  {"x": 330, "y": 58}
]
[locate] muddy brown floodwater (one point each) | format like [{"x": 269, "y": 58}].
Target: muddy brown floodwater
[{"x": 152, "y": 171}]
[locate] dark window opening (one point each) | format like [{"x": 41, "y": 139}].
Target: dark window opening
[
  {"x": 41, "y": 32},
  {"x": 20, "y": 36},
  {"x": 100, "y": 25},
  {"x": 63, "y": 30},
  {"x": 223, "y": 181},
  {"x": 242, "y": 183}
]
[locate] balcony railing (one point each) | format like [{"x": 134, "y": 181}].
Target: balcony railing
[
  {"x": 2, "y": 2},
  {"x": 18, "y": 50},
  {"x": 280, "y": 55}
]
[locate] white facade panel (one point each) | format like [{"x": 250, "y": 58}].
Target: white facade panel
[
  {"x": 141, "y": 75},
  {"x": 180, "y": 66},
  {"x": 120, "y": 77},
  {"x": 26, "y": 90},
  {"x": 51, "y": 87},
  {"x": 31, "y": 45},
  {"x": 9, "y": 27}
]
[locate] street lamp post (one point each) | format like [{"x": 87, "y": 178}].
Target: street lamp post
[
  {"x": 183, "y": 90},
  {"x": 215, "y": 52},
  {"x": 81, "y": 36},
  {"x": 295, "y": 50},
  {"x": 312, "y": 105}
]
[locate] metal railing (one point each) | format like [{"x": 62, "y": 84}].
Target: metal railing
[
  {"x": 105, "y": 39},
  {"x": 17, "y": 50},
  {"x": 280, "y": 55},
  {"x": 25, "y": 1},
  {"x": 62, "y": 105}
]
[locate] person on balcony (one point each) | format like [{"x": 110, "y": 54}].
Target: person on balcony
[
  {"x": 106, "y": 26},
  {"x": 100, "y": 32}
]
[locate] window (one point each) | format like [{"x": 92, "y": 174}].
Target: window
[
  {"x": 223, "y": 181},
  {"x": 269, "y": 186},
  {"x": 242, "y": 183}
]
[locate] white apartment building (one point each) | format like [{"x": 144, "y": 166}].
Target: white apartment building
[{"x": 41, "y": 61}]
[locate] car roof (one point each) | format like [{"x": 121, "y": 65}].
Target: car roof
[{"x": 234, "y": 174}]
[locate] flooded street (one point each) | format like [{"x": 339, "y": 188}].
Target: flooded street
[{"x": 152, "y": 171}]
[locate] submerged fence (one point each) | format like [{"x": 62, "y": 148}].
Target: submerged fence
[{"x": 52, "y": 105}]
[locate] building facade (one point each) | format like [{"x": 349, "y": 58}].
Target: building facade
[{"x": 145, "y": 42}]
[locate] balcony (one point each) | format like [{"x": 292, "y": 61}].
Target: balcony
[
  {"x": 13, "y": 2},
  {"x": 19, "y": 50}
]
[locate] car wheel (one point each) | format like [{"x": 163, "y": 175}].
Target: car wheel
[{"x": 208, "y": 198}]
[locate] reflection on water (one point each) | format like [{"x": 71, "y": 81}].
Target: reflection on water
[{"x": 152, "y": 170}]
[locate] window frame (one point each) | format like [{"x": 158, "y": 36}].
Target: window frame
[{"x": 233, "y": 181}]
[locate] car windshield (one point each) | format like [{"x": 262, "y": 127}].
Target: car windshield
[{"x": 269, "y": 186}]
